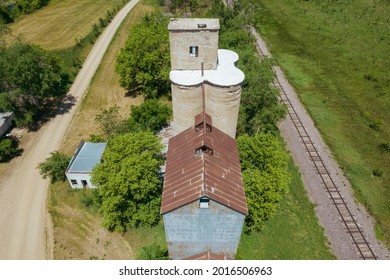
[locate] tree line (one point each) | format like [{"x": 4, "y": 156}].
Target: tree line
[{"x": 10, "y": 10}]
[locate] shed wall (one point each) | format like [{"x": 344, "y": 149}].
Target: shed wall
[
  {"x": 79, "y": 177},
  {"x": 191, "y": 230}
]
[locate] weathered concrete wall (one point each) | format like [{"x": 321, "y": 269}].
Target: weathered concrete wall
[
  {"x": 78, "y": 177},
  {"x": 222, "y": 104},
  {"x": 186, "y": 104},
  {"x": 191, "y": 230},
  {"x": 180, "y": 43}
]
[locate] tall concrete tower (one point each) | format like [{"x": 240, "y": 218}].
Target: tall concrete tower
[{"x": 197, "y": 65}]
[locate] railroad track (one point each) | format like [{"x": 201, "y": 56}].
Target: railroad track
[{"x": 359, "y": 240}]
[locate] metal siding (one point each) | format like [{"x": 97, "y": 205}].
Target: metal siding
[
  {"x": 191, "y": 230},
  {"x": 88, "y": 156}
]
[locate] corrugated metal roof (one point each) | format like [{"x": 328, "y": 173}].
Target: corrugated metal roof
[
  {"x": 86, "y": 157},
  {"x": 214, "y": 172},
  {"x": 208, "y": 256}
]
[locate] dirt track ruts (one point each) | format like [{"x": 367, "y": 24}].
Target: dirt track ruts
[{"x": 23, "y": 193}]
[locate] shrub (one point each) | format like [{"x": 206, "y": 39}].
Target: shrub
[
  {"x": 8, "y": 149},
  {"x": 153, "y": 252},
  {"x": 54, "y": 166}
]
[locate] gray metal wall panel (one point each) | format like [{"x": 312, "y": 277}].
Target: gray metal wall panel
[{"x": 190, "y": 230}]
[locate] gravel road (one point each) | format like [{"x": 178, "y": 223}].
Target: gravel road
[
  {"x": 24, "y": 227},
  {"x": 340, "y": 241}
]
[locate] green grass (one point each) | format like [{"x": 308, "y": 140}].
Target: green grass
[
  {"x": 59, "y": 24},
  {"x": 336, "y": 56},
  {"x": 292, "y": 234},
  {"x": 104, "y": 91}
]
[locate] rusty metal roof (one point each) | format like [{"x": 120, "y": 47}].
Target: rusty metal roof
[
  {"x": 208, "y": 256},
  {"x": 203, "y": 161}
]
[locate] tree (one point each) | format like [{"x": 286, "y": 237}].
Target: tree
[
  {"x": 128, "y": 181},
  {"x": 8, "y": 149},
  {"x": 29, "y": 77},
  {"x": 28, "y": 6},
  {"x": 265, "y": 174},
  {"x": 150, "y": 115},
  {"x": 143, "y": 64},
  {"x": 153, "y": 252},
  {"x": 5, "y": 16},
  {"x": 54, "y": 167},
  {"x": 110, "y": 123}
]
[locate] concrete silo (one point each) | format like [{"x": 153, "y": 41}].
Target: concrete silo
[{"x": 197, "y": 65}]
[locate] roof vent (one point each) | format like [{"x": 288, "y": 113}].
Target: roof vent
[{"x": 202, "y": 25}]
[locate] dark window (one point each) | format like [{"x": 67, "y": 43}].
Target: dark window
[
  {"x": 74, "y": 182},
  {"x": 203, "y": 150},
  {"x": 84, "y": 183},
  {"x": 194, "y": 51},
  {"x": 204, "y": 203}
]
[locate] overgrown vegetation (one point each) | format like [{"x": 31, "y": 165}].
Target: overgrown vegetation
[
  {"x": 153, "y": 252},
  {"x": 151, "y": 115},
  {"x": 265, "y": 174},
  {"x": 143, "y": 64},
  {"x": 128, "y": 181},
  {"x": 10, "y": 11},
  {"x": 54, "y": 167},
  {"x": 335, "y": 54},
  {"x": 30, "y": 78},
  {"x": 8, "y": 149}
]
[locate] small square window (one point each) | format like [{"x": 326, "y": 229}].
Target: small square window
[
  {"x": 204, "y": 203},
  {"x": 194, "y": 51},
  {"x": 74, "y": 182}
]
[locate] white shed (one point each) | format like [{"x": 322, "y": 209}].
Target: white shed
[
  {"x": 5, "y": 121},
  {"x": 86, "y": 156}
]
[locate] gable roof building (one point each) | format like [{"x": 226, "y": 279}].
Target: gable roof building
[
  {"x": 80, "y": 167},
  {"x": 203, "y": 161}
]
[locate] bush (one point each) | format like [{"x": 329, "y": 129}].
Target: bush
[
  {"x": 265, "y": 174},
  {"x": 8, "y": 149},
  {"x": 153, "y": 252},
  {"x": 150, "y": 115},
  {"x": 377, "y": 172},
  {"x": 54, "y": 167}
]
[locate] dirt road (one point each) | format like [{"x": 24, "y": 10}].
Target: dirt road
[{"x": 23, "y": 192}]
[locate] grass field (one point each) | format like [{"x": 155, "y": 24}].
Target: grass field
[
  {"x": 62, "y": 22},
  {"x": 292, "y": 234},
  {"x": 336, "y": 54},
  {"x": 104, "y": 91}
]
